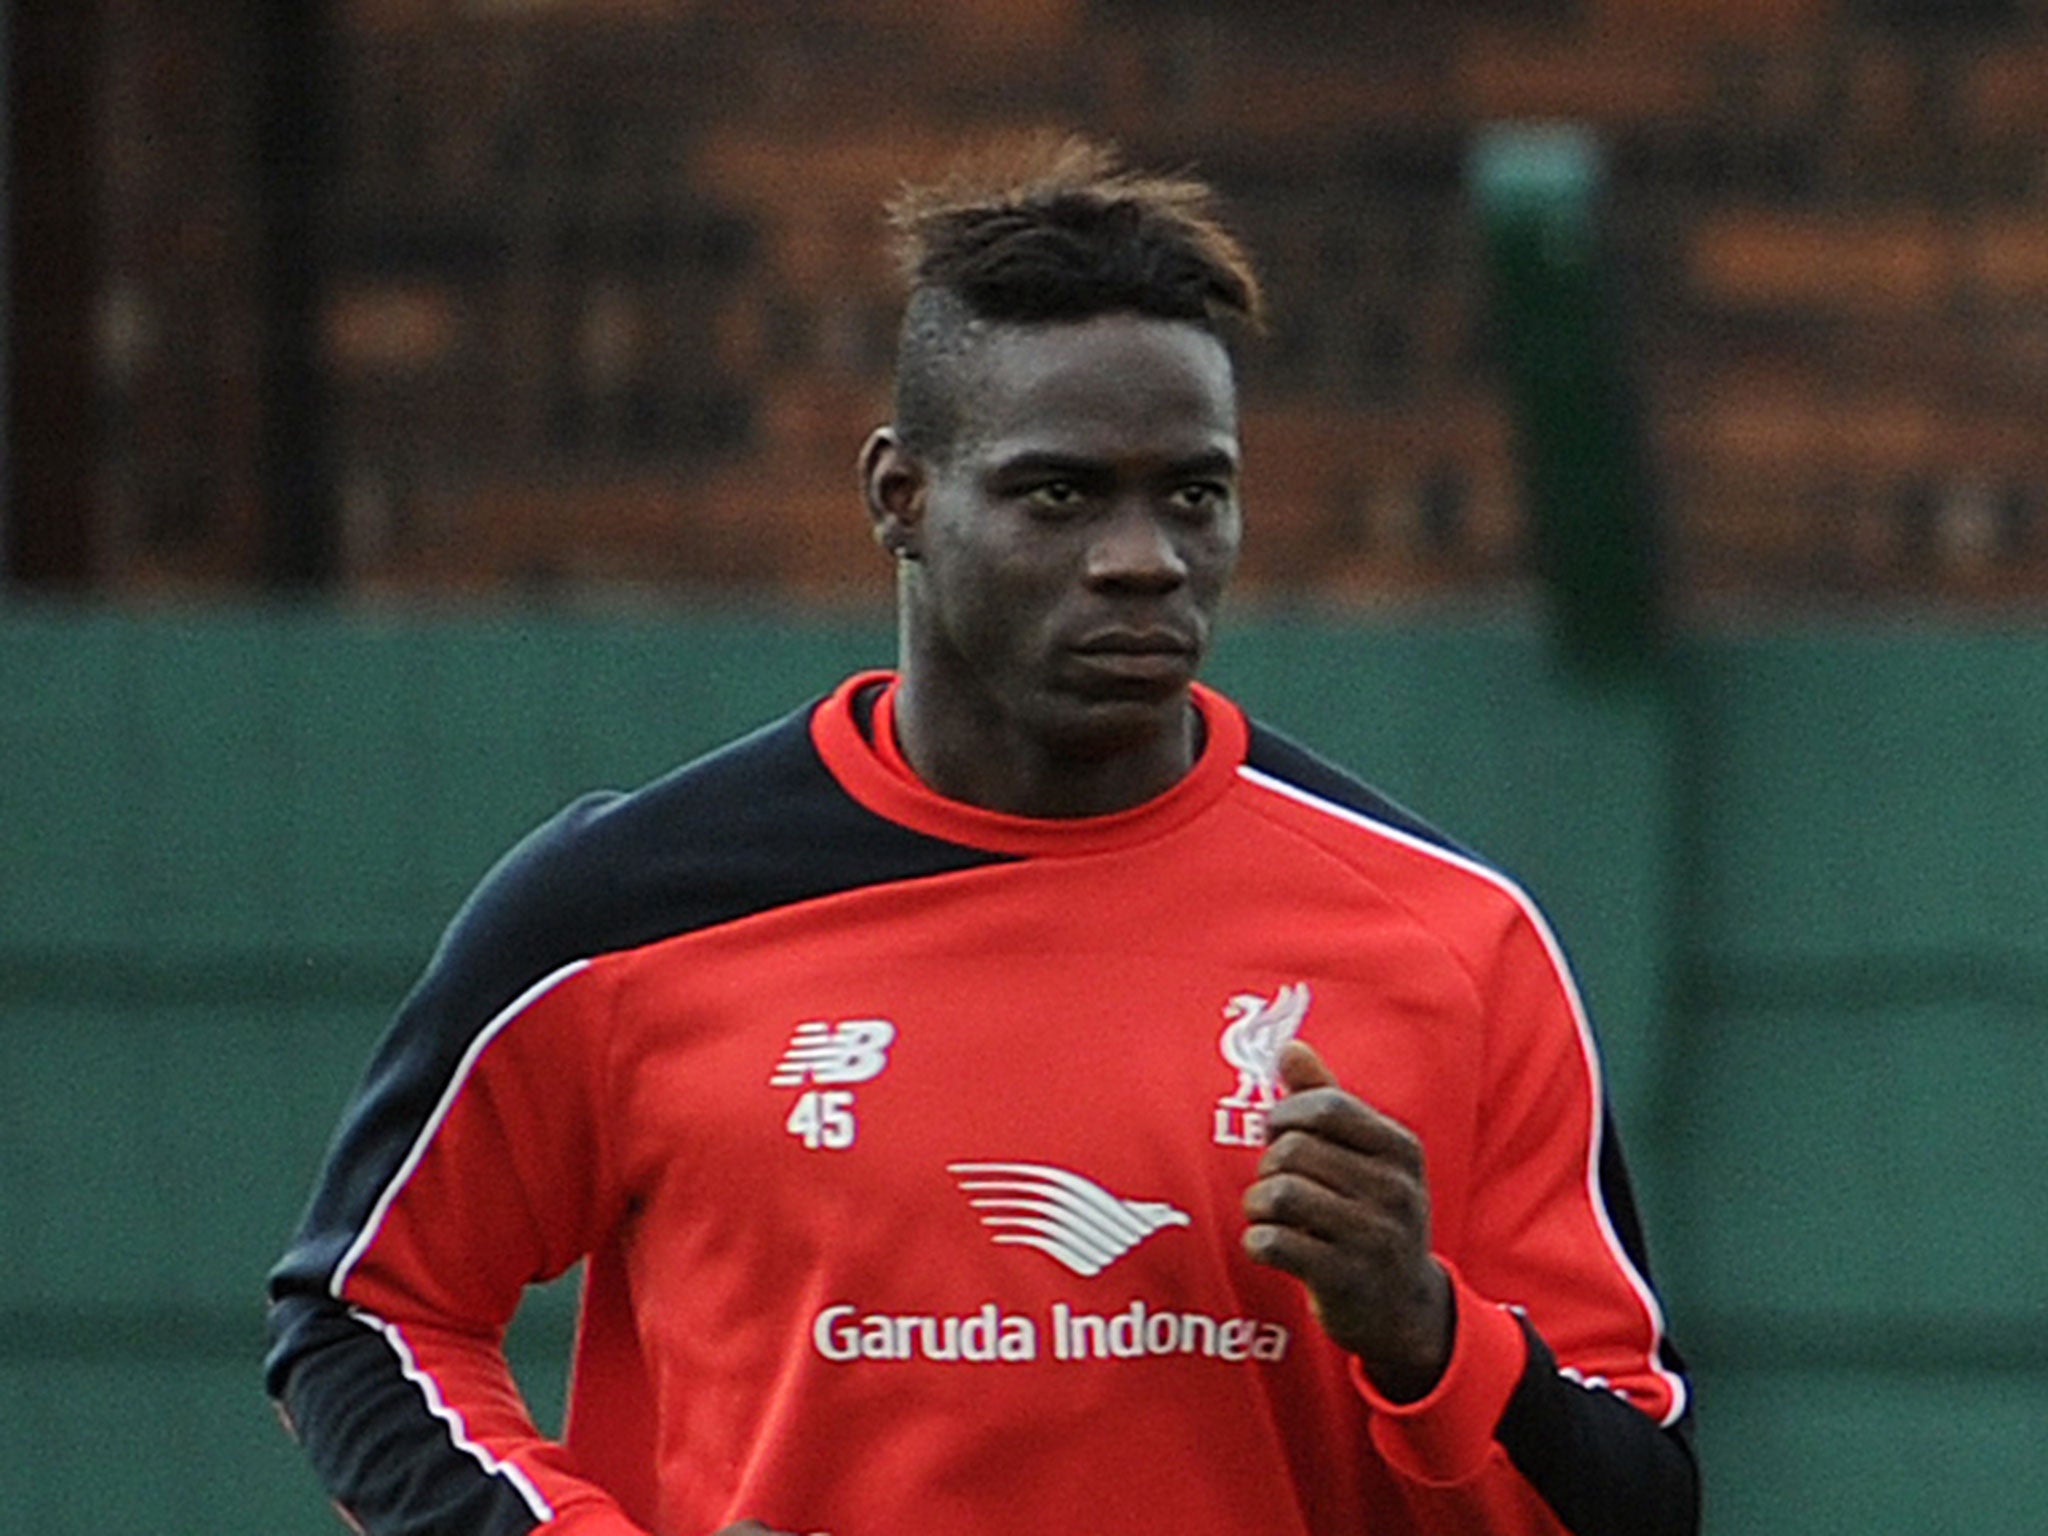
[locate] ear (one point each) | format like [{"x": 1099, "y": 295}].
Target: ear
[{"x": 893, "y": 483}]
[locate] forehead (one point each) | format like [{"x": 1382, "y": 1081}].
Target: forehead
[{"x": 1107, "y": 387}]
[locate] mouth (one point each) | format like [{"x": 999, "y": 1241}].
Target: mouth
[{"x": 1144, "y": 658}]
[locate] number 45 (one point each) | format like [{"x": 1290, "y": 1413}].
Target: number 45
[{"x": 823, "y": 1118}]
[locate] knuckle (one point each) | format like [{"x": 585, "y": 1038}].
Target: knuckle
[
  {"x": 1323, "y": 1105},
  {"x": 1283, "y": 1149},
  {"x": 1409, "y": 1150},
  {"x": 1403, "y": 1146},
  {"x": 1304, "y": 1106},
  {"x": 1273, "y": 1199},
  {"x": 1292, "y": 1198}
]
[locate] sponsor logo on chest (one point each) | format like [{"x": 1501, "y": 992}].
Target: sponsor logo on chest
[
  {"x": 1083, "y": 1227},
  {"x": 1065, "y": 1334},
  {"x": 1075, "y": 1222},
  {"x": 1073, "y": 1219}
]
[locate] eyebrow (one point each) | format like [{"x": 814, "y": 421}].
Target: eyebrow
[{"x": 1214, "y": 461}]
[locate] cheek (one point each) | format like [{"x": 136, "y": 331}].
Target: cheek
[
  {"x": 996, "y": 558},
  {"x": 1213, "y": 558},
  {"x": 988, "y": 600}
]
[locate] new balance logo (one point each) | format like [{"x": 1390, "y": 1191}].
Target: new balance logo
[
  {"x": 1075, "y": 1220},
  {"x": 850, "y": 1051}
]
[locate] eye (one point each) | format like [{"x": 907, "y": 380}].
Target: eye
[
  {"x": 1055, "y": 498},
  {"x": 1199, "y": 498}
]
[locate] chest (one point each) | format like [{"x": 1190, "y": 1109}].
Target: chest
[{"x": 1037, "y": 1075}]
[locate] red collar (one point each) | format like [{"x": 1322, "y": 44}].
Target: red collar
[{"x": 876, "y": 774}]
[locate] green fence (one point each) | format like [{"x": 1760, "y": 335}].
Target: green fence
[{"x": 1806, "y": 883}]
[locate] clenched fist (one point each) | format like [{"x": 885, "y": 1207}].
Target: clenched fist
[{"x": 1340, "y": 1203}]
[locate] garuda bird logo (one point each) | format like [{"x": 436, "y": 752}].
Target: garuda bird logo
[{"x": 1058, "y": 1212}]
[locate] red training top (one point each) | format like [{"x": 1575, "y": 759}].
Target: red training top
[{"x": 905, "y": 1141}]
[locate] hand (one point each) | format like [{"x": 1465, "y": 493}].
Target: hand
[{"x": 1340, "y": 1203}]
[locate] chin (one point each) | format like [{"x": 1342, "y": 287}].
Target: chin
[{"x": 1101, "y": 726}]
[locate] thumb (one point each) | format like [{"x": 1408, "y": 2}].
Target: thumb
[{"x": 1301, "y": 1068}]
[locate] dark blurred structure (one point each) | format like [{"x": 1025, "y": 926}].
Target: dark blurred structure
[{"x": 405, "y": 296}]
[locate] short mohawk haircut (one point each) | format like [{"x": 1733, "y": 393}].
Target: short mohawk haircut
[
  {"x": 1062, "y": 231},
  {"x": 1055, "y": 230}
]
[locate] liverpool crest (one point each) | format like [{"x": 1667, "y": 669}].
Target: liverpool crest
[{"x": 1255, "y": 1029}]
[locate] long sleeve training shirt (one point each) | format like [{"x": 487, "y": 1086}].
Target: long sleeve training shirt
[{"x": 904, "y": 1144}]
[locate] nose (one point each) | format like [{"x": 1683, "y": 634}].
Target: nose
[{"x": 1134, "y": 550}]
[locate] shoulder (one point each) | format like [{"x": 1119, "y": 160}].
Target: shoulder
[
  {"x": 1443, "y": 882},
  {"x": 613, "y": 870},
  {"x": 758, "y": 824},
  {"x": 607, "y": 870},
  {"x": 1288, "y": 767}
]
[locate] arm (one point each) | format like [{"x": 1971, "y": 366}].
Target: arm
[
  {"x": 1460, "y": 1360},
  {"x": 467, "y": 1167}
]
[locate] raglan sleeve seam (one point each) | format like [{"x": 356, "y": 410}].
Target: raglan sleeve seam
[
  {"x": 610, "y": 1173},
  {"x": 1452, "y": 951}
]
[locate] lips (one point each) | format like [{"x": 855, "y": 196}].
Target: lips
[
  {"x": 1141, "y": 658},
  {"x": 1136, "y": 642}
]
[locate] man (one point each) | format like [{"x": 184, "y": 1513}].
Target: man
[{"x": 1016, "y": 1093}]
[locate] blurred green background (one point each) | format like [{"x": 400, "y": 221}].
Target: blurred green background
[
  {"x": 413, "y": 413},
  {"x": 1801, "y": 873}
]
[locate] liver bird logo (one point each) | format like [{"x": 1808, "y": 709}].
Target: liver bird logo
[
  {"x": 1258, "y": 1026},
  {"x": 1075, "y": 1220}
]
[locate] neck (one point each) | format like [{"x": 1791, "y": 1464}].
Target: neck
[{"x": 988, "y": 759}]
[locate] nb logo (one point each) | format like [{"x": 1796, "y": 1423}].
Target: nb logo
[{"x": 850, "y": 1051}]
